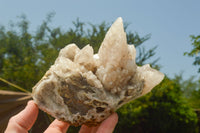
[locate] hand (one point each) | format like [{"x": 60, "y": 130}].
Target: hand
[{"x": 23, "y": 122}]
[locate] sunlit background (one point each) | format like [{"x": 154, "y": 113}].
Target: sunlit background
[{"x": 172, "y": 106}]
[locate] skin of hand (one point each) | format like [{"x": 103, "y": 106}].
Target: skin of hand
[{"x": 23, "y": 121}]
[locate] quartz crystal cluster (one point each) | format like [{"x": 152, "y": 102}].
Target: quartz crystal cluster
[{"x": 85, "y": 88}]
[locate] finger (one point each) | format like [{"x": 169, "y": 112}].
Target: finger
[
  {"x": 57, "y": 127},
  {"x": 86, "y": 129},
  {"x": 108, "y": 125},
  {"x": 105, "y": 126},
  {"x": 94, "y": 129},
  {"x": 23, "y": 121}
]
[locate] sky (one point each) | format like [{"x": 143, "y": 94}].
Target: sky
[{"x": 169, "y": 22}]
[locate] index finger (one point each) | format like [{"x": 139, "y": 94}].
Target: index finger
[
  {"x": 108, "y": 125},
  {"x": 57, "y": 127},
  {"x": 24, "y": 120}
]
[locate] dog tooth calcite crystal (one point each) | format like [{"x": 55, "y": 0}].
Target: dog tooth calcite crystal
[{"x": 83, "y": 88}]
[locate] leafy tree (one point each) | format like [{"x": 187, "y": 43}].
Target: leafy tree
[
  {"x": 187, "y": 85},
  {"x": 18, "y": 56},
  {"x": 163, "y": 110},
  {"x": 190, "y": 88},
  {"x": 195, "y": 52}
]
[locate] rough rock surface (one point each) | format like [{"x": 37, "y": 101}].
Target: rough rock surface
[{"x": 83, "y": 88}]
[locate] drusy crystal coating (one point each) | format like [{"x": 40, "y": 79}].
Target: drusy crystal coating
[{"x": 83, "y": 88}]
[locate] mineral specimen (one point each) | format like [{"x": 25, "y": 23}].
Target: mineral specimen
[{"x": 85, "y": 88}]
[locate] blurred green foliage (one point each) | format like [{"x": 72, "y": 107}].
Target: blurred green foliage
[
  {"x": 26, "y": 56},
  {"x": 195, "y": 52},
  {"x": 163, "y": 110},
  {"x": 190, "y": 88}
]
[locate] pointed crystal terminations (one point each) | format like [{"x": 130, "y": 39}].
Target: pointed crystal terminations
[{"x": 83, "y": 88}]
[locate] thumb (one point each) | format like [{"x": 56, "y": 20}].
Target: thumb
[{"x": 23, "y": 121}]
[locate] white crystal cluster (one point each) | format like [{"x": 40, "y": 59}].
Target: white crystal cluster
[{"x": 83, "y": 88}]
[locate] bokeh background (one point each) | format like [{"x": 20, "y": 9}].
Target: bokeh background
[{"x": 166, "y": 35}]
